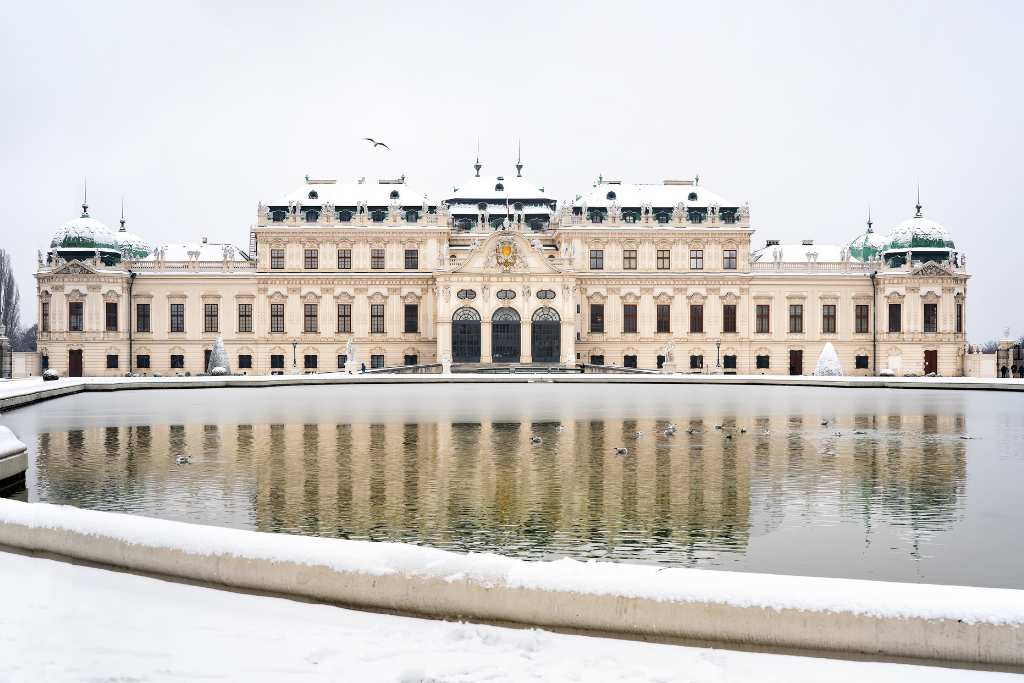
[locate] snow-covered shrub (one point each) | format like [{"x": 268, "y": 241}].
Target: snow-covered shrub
[
  {"x": 886, "y": 372},
  {"x": 828, "y": 363},
  {"x": 50, "y": 375},
  {"x": 218, "y": 358},
  {"x": 218, "y": 371}
]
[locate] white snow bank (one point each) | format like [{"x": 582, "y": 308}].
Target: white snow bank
[
  {"x": 871, "y": 598},
  {"x": 71, "y": 622},
  {"x": 9, "y": 443}
]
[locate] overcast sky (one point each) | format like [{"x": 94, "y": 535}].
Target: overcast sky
[{"x": 809, "y": 111}]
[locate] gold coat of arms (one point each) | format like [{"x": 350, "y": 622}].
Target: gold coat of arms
[{"x": 506, "y": 255}]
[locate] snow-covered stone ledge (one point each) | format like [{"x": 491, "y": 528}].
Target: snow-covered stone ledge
[
  {"x": 955, "y": 624},
  {"x": 13, "y": 460},
  {"x": 18, "y": 393}
]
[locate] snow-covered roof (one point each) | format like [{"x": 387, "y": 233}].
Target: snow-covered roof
[
  {"x": 374, "y": 193},
  {"x": 797, "y": 253},
  {"x": 84, "y": 233},
  {"x": 919, "y": 232},
  {"x": 207, "y": 251},
  {"x": 496, "y": 209},
  {"x": 666, "y": 194},
  {"x": 485, "y": 187}
]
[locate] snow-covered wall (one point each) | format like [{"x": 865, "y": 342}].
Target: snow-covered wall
[{"x": 951, "y": 623}]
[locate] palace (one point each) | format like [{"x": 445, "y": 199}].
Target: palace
[{"x": 659, "y": 276}]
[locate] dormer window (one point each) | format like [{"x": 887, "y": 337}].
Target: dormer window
[
  {"x": 312, "y": 216},
  {"x": 482, "y": 206},
  {"x": 692, "y": 197},
  {"x": 278, "y": 215},
  {"x": 377, "y": 216},
  {"x": 663, "y": 217},
  {"x": 518, "y": 206},
  {"x": 394, "y": 194},
  {"x": 344, "y": 215},
  {"x": 499, "y": 188},
  {"x": 313, "y": 194},
  {"x": 610, "y": 196}
]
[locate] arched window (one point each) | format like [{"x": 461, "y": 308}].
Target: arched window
[
  {"x": 394, "y": 194},
  {"x": 610, "y": 196},
  {"x": 499, "y": 188},
  {"x": 466, "y": 294},
  {"x": 505, "y": 314},
  {"x": 545, "y": 294},
  {"x": 313, "y": 194},
  {"x": 377, "y": 216},
  {"x": 466, "y": 313},
  {"x": 692, "y": 197},
  {"x": 278, "y": 215},
  {"x": 344, "y": 215},
  {"x": 546, "y": 314},
  {"x": 312, "y": 216}
]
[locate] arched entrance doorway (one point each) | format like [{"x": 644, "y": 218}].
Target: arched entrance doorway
[
  {"x": 505, "y": 339},
  {"x": 546, "y": 336},
  {"x": 465, "y": 336}
]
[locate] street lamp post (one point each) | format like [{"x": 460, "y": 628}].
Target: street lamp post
[
  {"x": 295, "y": 358},
  {"x": 718, "y": 353}
]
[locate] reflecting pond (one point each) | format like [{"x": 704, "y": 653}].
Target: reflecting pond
[{"x": 859, "y": 483}]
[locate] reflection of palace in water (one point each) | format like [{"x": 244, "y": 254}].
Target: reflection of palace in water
[{"x": 488, "y": 486}]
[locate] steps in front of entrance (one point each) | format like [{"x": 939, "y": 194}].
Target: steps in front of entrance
[{"x": 513, "y": 368}]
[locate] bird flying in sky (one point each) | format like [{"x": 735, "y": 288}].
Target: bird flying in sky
[{"x": 377, "y": 144}]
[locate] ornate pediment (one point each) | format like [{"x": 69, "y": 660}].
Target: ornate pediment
[
  {"x": 932, "y": 269},
  {"x": 506, "y": 252},
  {"x": 74, "y": 268}
]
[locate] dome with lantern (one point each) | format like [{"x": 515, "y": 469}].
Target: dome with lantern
[
  {"x": 869, "y": 244},
  {"x": 86, "y": 237},
  {"x": 919, "y": 239}
]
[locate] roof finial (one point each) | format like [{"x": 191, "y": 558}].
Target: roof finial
[
  {"x": 519, "y": 160},
  {"x": 696, "y": 179},
  {"x": 477, "y": 165},
  {"x": 918, "y": 206},
  {"x": 122, "y": 213},
  {"x": 85, "y": 197},
  {"x": 869, "y": 219}
]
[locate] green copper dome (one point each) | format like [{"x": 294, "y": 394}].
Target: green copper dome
[{"x": 84, "y": 234}]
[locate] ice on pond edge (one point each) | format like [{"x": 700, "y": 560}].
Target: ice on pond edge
[{"x": 873, "y": 598}]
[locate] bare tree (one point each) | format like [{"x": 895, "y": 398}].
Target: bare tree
[
  {"x": 26, "y": 339},
  {"x": 10, "y": 299}
]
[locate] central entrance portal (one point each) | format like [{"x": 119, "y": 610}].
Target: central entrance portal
[
  {"x": 505, "y": 339},
  {"x": 546, "y": 336},
  {"x": 466, "y": 336}
]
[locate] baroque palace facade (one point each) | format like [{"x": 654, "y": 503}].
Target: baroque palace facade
[{"x": 638, "y": 275}]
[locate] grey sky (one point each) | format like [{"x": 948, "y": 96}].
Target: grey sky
[{"x": 809, "y": 111}]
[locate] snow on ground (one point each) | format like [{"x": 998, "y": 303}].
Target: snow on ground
[
  {"x": 9, "y": 443},
  {"x": 69, "y": 622}
]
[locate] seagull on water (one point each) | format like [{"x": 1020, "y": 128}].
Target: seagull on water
[
  {"x": 536, "y": 439},
  {"x": 377, "y": 144},
  {"x": 619, "y": 450},
  {"x": 183, "y": 460}
]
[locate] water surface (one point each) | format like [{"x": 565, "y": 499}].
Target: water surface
[{"x": 862, "y": 483}]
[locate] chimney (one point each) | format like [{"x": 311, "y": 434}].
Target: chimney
[
  {"x": 807, "y": 243},
  {"x": 771, "y": 243},
  {"x": 204, "y": 240}
]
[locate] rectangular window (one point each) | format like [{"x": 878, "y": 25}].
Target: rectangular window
[
  {"x": 597, "y": 259},
  {"x": 931, "y": 317},
  {"x": 277, "y": 361},
  {"x": 696, "y": 318},
  {"x": 762, "y": 362},
  {"x": 412, "y": 259},
  {"x": 377, "y": 361},
  {"x": 211, "y": 317},
  {"x": 629, "y": 259},
  {"x": 729, "y": 318},
  {"x": 860, "y": 362},
  {"x": 410, "y": 359},
  {"x": 729, "y": 362},
  {"x": 696, "y": 362},
  {"x": 177, "y": 317},
  {"x": 310, "y": 315},
  {"x": 342, "y": 360},
  {"x": 344, "y": 317},
  {"x": 377, "y": 318},
  {"x": 277, "y": 259},
  {"x": 861, "y": 315},
  {"x": 110, "y": 315},
  {"x": 44, "y": 317},
  {"x": 762, "y": 319},
  {"x": 344, "y": 259},
  {"x": 597, "y": 360},
  {"x": 75, "y": 316},
  {"x": 245, "y": 317},
  {"x": 111, "y": 361},
  {"x": 828, "y": 318},
  {"x": 309, "y": 361},
  {"x": 796, "y": 318},
  {"x": 45, "y": 362},
  {"x": 629, "y": 317},
  {"x": 177, "y": 361},
  {"x": 895, "y": 317},
  {"x": 729, "y": 259},
  {"x": 597, "y": 318},
  {"x": 412, "y": 318},
  {"x": 664, "y": 318},
  {"x": 377, "y": 259},
  {"x": 664, "y": 259},
  {"x": 244, "y": 361},
  {"x": 142, "y": 323},
  {"x": 311, "y": 259},
  {"x": 959, "y": 318},
  {"x": 277, "y": 317},
  {"x": 629, "y": 361},
  {"x": 696, "y": 259},
  {"x": 142, "y": 361}
]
